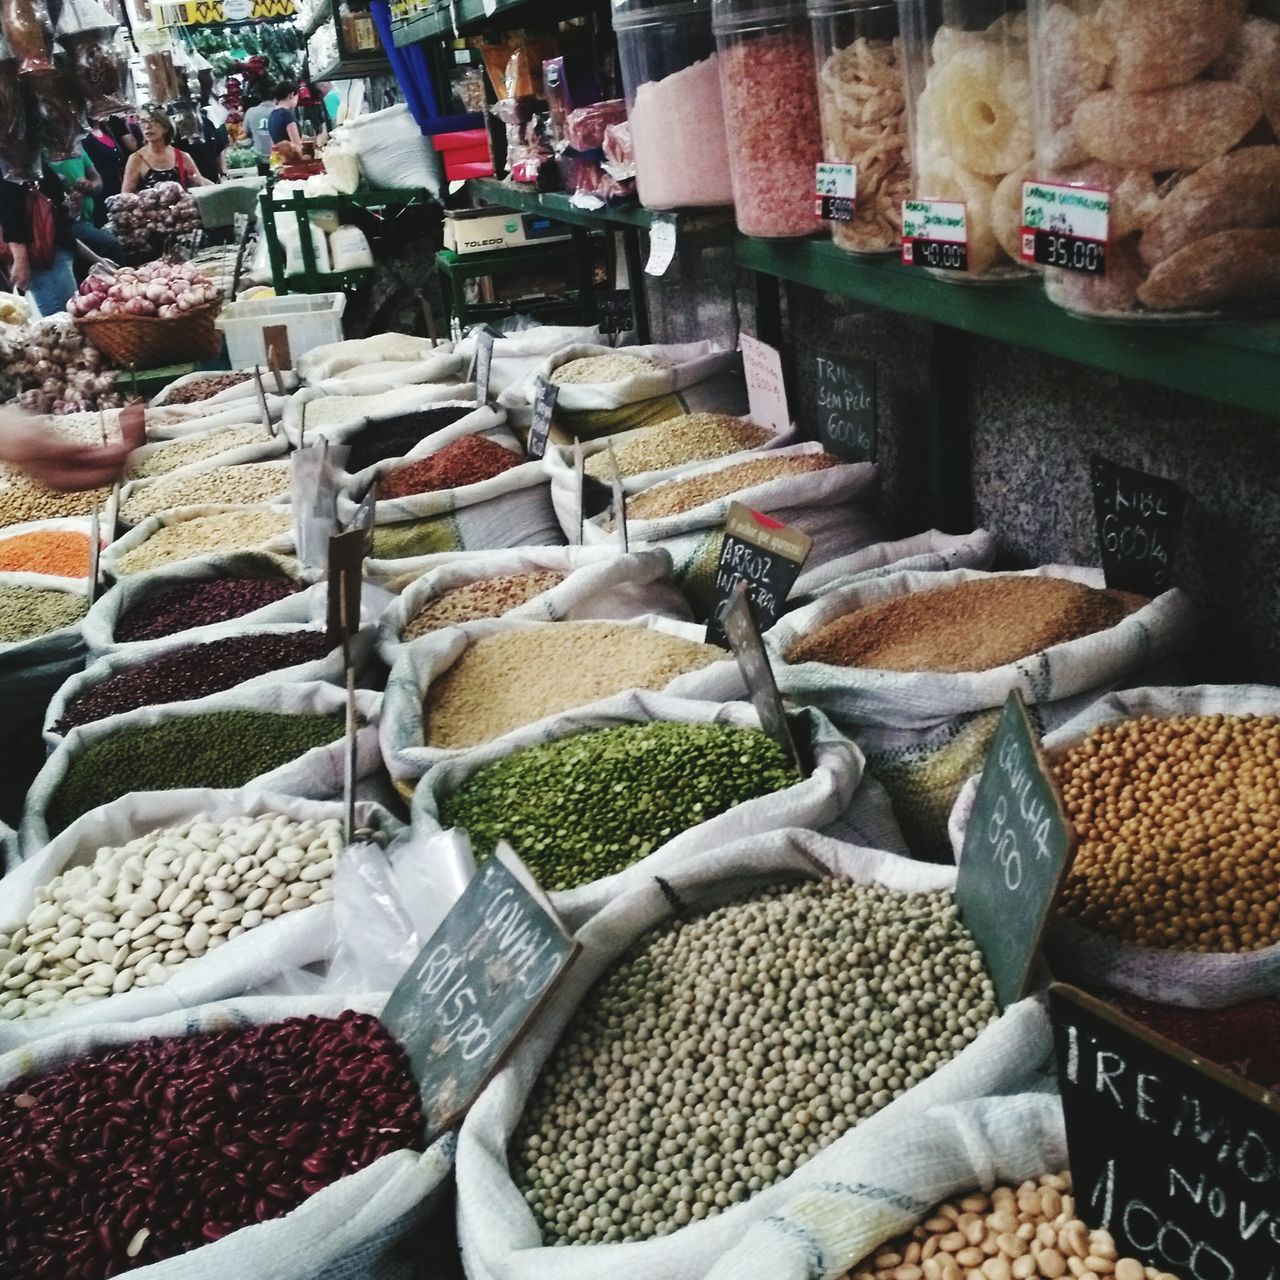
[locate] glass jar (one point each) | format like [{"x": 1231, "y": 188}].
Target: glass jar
[
  {"x": 770, "y": 93},
  {"x": 671, "y": 76},
  {"x": 970, "y": 124},
  {"x": 1171, "y": 114},
  {"x": 862, "y": 96}
]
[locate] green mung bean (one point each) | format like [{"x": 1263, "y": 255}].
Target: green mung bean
[{"x": 27, "y": 612}]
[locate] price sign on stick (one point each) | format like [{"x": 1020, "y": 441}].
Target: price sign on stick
[
  {"x": 275, "y": 338},
  {"x": 594, "y": 496},
  {"x": 544, "y": 408},
  {"x": 847, "y": 421},
  {"x": 1017, "y": 851},
  {"x": 1177, "y": 1158},
  {"x": 1139, "y": 522},
  {"x": 346, "y": 571},
  {"x": 619, "y": 500},
  {"x": 263, "y": 411},
  {"x": 766, "y": 388},
  {"x": 273, "y": 363},
  {"x": 95, "y": 552},
  {"x": 477, "y": 985},
  {"x": 484, "y": 363}
]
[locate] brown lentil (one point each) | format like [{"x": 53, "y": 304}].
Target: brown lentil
[
  {"x": 250, "y": 483},
  {"x": 199, "y": 448},
  {"x": 1177, "y": 821},
  {"x": 487, "y": 598},
  {"x": 611, "y": 368},
  {"x": 202, "y": 388},
  {"x": 675, "y": 496},
  {"x": 692, "y": 437},
  {"x": 241, "y": 530},
  {"x": 515, "y": 677},
  {"x": 975, "y": 626},
  {"x": 27, "y": 612}
]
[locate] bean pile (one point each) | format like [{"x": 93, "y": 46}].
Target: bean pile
[
  {"x": 675, "y": 496},
  {"x": 692, "y": 437},
  {"x": 194, "y": 672},
  {"x": 333, "y": 411},
  {"x": 1029, "y": 1232},
  {"x": 487, "y": 598},
  {"x": 198, "y": 604},
  {"x": 64, "y": 553},
  {"x": 394, "y": 437},
  {"x": 214, "y": 749},
  {"x": 975, "y": 626},
  {"x": 465, "y": 461},
  {"x": 203, "y": 388},
  {"x": 253, "y": 1122},
  {"x": 725, "y": 1050},
  {"x": 23, "y": 499},
  {"x": 563, "y": 665},
  {"x": 248, "y": 483},
  {"x": 413, "y": 538},
  {"x": 137, "y": 912},
  {"x": 1176, "y": 820},
  {"x": 241, "y": 530},
  {"x": 611, "y": 368},
  {"x": 590, "y": 805},
  {"x": 198, "y": 448},
  {"x": 27, "y": 612}
]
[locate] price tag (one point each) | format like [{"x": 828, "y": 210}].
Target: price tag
[
  {"x": 765, "y": 555},
  {"x": 484, "y": 363},
  {"x": 1017, "y": 851},
  {"x": 1065, "y": 226},
  {"x": 544, "y": 407},
  {"x": 662, "y": 246},
  {"x": 274, "y": 366},
  {"x": 935, "y": 233},
  {"x": 766, "y": 388},
  {"x": 346, "y": 571},
  {"x": 753, "y": 661},
  {"x": 476, "y": 986},
  {"x": 263, "y": 411},
  {"x": 1139, "y": 522},
  {"x": 1178, "y": 1159},
  {"x": 95, "y": 553},
  {"x": 847, "y": 420},
  {"x": 275, "y": 339},
  {"x": 836, "y": 192}
]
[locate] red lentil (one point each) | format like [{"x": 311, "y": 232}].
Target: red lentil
[
  {"x": 63, "y": 553},
  {"x": 465, "y": 461}
]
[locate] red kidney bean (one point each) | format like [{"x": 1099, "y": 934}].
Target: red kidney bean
[
  {"x": 216, "y": 1132},
  {"x": 197, "y": 604}
]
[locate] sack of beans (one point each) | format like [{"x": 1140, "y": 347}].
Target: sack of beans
[
  {"x": 310, "y": 413},
  {"x": 56, "y": 551},
  {"x": 221, "y": 388},
  {"x": 300, "y": 1171},
  {"x": 1172, "y": 895},
  {"x": 917, "y": 667},
  {"x": 800, "y": 485},
  {"x": 209, "y": 934},
  {"x": 606, "y": 389},
  {"x": 376, "y": 375},
  {"x": 333, "y": 358},
  {"x": 772, "y": 949},
  {"x": 539, "y": 584},
  {"x": 469, "y": 685},
  {"x": 631, "y": 786},
  {"x": 209, "y": 483},
  {"x": 649, "y": 455},
  {"x": 41, "y": 640},
  {"x": 176, "y": 422},
  {"x": 517, "y": 355},
  {"x": 165, "y": 671},
  {"x": 928, "y": 552},
  {"x": 223, "y": 446},
  {"x": 189, "y": 533},
  {"x": 275, "y": 737},
  {"x": 200, "y": 599}
]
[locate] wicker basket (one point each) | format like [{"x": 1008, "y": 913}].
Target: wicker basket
[{"x": 144, "y": 342}]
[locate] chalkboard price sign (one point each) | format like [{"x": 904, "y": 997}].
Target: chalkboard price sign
[
  {"x": 544, "y": 407},
  {"x": 1177, "y": 1158},
  {"x": 765, "y": 555},
  {"x": 847, "y": 407},
  {"x": 476, "y": 985},
  {"x": 1017, "y": 850},
  {"x": 1139, "y": 521}
]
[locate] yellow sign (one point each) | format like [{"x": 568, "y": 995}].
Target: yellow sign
[{"x": 215, "y": 12}]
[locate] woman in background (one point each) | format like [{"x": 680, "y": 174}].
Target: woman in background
[{"x": 159, "y": 160}]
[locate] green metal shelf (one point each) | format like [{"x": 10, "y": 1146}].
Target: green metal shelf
[{"x": 1234, "y": 363}]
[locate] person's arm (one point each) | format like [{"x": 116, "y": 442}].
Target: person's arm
[
  {"x": 20, "y": 272},
  {"x": 133, "y": 171},
  {"x": 28, "y": 443},
  {"x": 295, "y": 134},
  {"x": 91, "y": 183},
  {"x": 191, "y": 170}
]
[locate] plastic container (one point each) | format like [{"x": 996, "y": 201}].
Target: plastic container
[
  {"x": 862, "y": 94},
  {"x": 970, "y": 125},
  {"x": 1126, "y": 92},
  {"x": 312, "y": 319},
  {"x": 770, "y": 91},
  {"x": 671, "y": 76}
]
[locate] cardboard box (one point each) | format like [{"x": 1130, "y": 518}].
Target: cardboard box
[{"x": 486, "y": 230}]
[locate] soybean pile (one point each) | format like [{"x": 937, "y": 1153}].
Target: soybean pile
[
  {"x": 485, "y": 598},
  {"x": 592, "y": 804},
  {"x": 602, "y": 369},
  {"x": 241, "y": 529},
  {"x": 250, "y": 483},
  {"x": 725, "y": 1050},
  {"x": 692, "y": 437},
  {"x": 199, "y": 448},
  {"x": 211, "y": 749},
  {"x": 28, "y": 612},
  {"x": 199, "y": 604}
]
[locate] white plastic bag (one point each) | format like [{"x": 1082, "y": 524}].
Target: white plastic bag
[
  {"x": 499, "y": 1237},
  {"x": 349, "y": 249},
  {"x": 393, "y": 151}
]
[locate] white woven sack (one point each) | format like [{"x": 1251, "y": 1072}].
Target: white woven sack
[
  {"x": 517, "y": 355},
  {"x": 560, "y": 464},
  {"x": 67, "y": 524},
  {"x": 932, "y": 551},
  {"x": 256, "y": 451},
  {"x": 499, "y": 1237},
  {"x": 30, "y": 670},
  {"x": 277, "y": 463},
  {"x": 303, "y": 424},
  {"x": 328, "y": 669},
  {"x": 290, "y": 941},
  {"x": 332, "y": 358},
  {"x": 111, "y": 557},
  {"x": 101, "y": 620},
  {"x": 439, "y": 366},
  {"x": 823, "y": 1232},
  {"x": 242, "y": 390},
  {"x": 177, "y": 421},
  {"x": 427, "y": 658},
  {"x": 600, "y": 583},
  {"x": 316, "y": 774},
  {"x": 811, "y": 803},
  {"x": 358, "y": 1228},
  {"x": 1189, "y": 979}
]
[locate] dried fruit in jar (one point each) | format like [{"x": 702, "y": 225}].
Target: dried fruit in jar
[
  {"x": 1229, "y": 266},
  {"x": 1159, "y": 43},
  {"x": 1253, "y": 60},
  {"x": 1074, "y": 57}
]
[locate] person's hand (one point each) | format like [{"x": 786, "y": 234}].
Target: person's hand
[
  {"x": 20, "y": 273},
  {"x": 83, "y": 185},
  {"x": 32, "y": 445}
]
